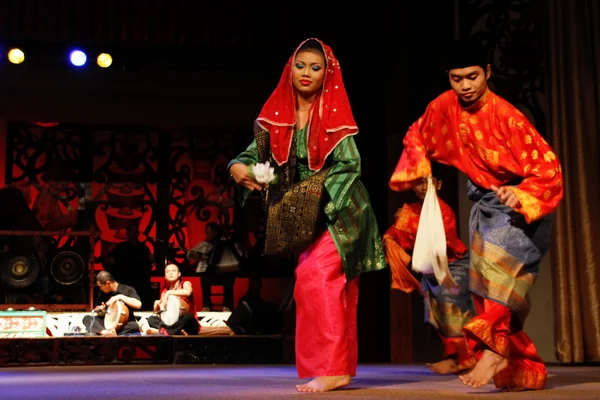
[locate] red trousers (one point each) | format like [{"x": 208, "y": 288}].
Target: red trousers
[
  {"x": 326, "y": 336},
  {"x": 491, "y": 329}
]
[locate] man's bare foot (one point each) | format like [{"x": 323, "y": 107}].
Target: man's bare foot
[
  {"x": 324, "y": 383},
  {"x": 152, "y": 331},
  {"x": 484, "y": 371},
  {"x": 444, "y": 367}
]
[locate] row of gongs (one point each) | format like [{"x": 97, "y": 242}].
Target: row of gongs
[{"x": 21, "y": 270}]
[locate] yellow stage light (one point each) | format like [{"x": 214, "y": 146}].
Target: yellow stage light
[
  {"x": 104, "y": 60},
  {"x": 16, "y": 56}
]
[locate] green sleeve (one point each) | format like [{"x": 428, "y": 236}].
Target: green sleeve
[
  {"x": 248, "y": 157},
  {"x": 343, "y": 175}
]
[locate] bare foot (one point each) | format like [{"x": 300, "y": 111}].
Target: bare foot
[
  {"x": 444, "y": 367},
  {"x": 324, "y": 383},
  {"x": 152, "y": 331},
  {"x": 484, "y": 371}
]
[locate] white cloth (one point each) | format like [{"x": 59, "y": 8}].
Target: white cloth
[{"x": 429, "y": 255}]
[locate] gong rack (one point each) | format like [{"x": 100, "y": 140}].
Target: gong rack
[{"x": 93, "y": 234}]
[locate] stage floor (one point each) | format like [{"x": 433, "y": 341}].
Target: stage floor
[{"x": 268, "y": 382}]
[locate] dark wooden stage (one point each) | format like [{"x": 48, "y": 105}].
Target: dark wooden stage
[{"x": 187, "y": 382}]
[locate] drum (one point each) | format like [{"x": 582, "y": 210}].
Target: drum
[
  {"x": 116, "y": 316},
  {"x": 174, "y": 310}
]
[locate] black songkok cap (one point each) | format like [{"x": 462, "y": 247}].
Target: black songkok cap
[{"x": 465, "y": 53}]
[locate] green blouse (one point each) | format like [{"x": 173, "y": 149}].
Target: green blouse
[{"x": 350, "y": 218}]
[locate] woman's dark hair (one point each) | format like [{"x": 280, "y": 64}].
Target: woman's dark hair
[{"x": 312, "y": 45}]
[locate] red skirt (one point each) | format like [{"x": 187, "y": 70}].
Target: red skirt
[{"x": 326, "y": 335}]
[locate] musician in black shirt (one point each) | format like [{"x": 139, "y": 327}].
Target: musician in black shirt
[{"x": 111, "y": 291}]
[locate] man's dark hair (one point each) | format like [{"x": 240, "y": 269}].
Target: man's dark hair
[
  {"x": 463, "y": 53},
  {"x": 104, "y": 276}
]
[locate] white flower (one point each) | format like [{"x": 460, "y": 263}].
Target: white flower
[{"x": 263, "y": 173}]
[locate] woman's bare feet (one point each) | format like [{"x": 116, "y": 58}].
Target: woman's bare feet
[
  {"x": 444, "y": 367},
  {"x": 484, "y": 371},
  {"x": 324, "y": 383}
]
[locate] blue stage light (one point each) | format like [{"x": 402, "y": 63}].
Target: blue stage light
[{"x": 78, "y": 58}]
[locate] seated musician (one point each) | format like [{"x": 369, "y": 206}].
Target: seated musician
[
  {"x": 111, "y": 291},
  {"x": 187, "y": 323}
]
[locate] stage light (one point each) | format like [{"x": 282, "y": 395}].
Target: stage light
[
  {"x": 104, "y": 60},
  {"x": 77, "y": 58},
  {"x": 16, "y": 56}
]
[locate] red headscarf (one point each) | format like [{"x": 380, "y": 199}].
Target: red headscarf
[{"x": 330, "y": 118}]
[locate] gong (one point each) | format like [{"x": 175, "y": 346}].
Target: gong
[
  {"x": 20, "y": 270},
  {"x": 67, "y": 267}
]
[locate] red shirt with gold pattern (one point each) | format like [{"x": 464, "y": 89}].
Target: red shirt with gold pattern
[{"x": 492, "y": 142}]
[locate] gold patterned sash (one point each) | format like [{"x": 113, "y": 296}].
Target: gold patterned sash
[{"x": 293, "y": 209}]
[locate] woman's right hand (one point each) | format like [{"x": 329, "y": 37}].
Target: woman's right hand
[{"x": 239, "y": 172}]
